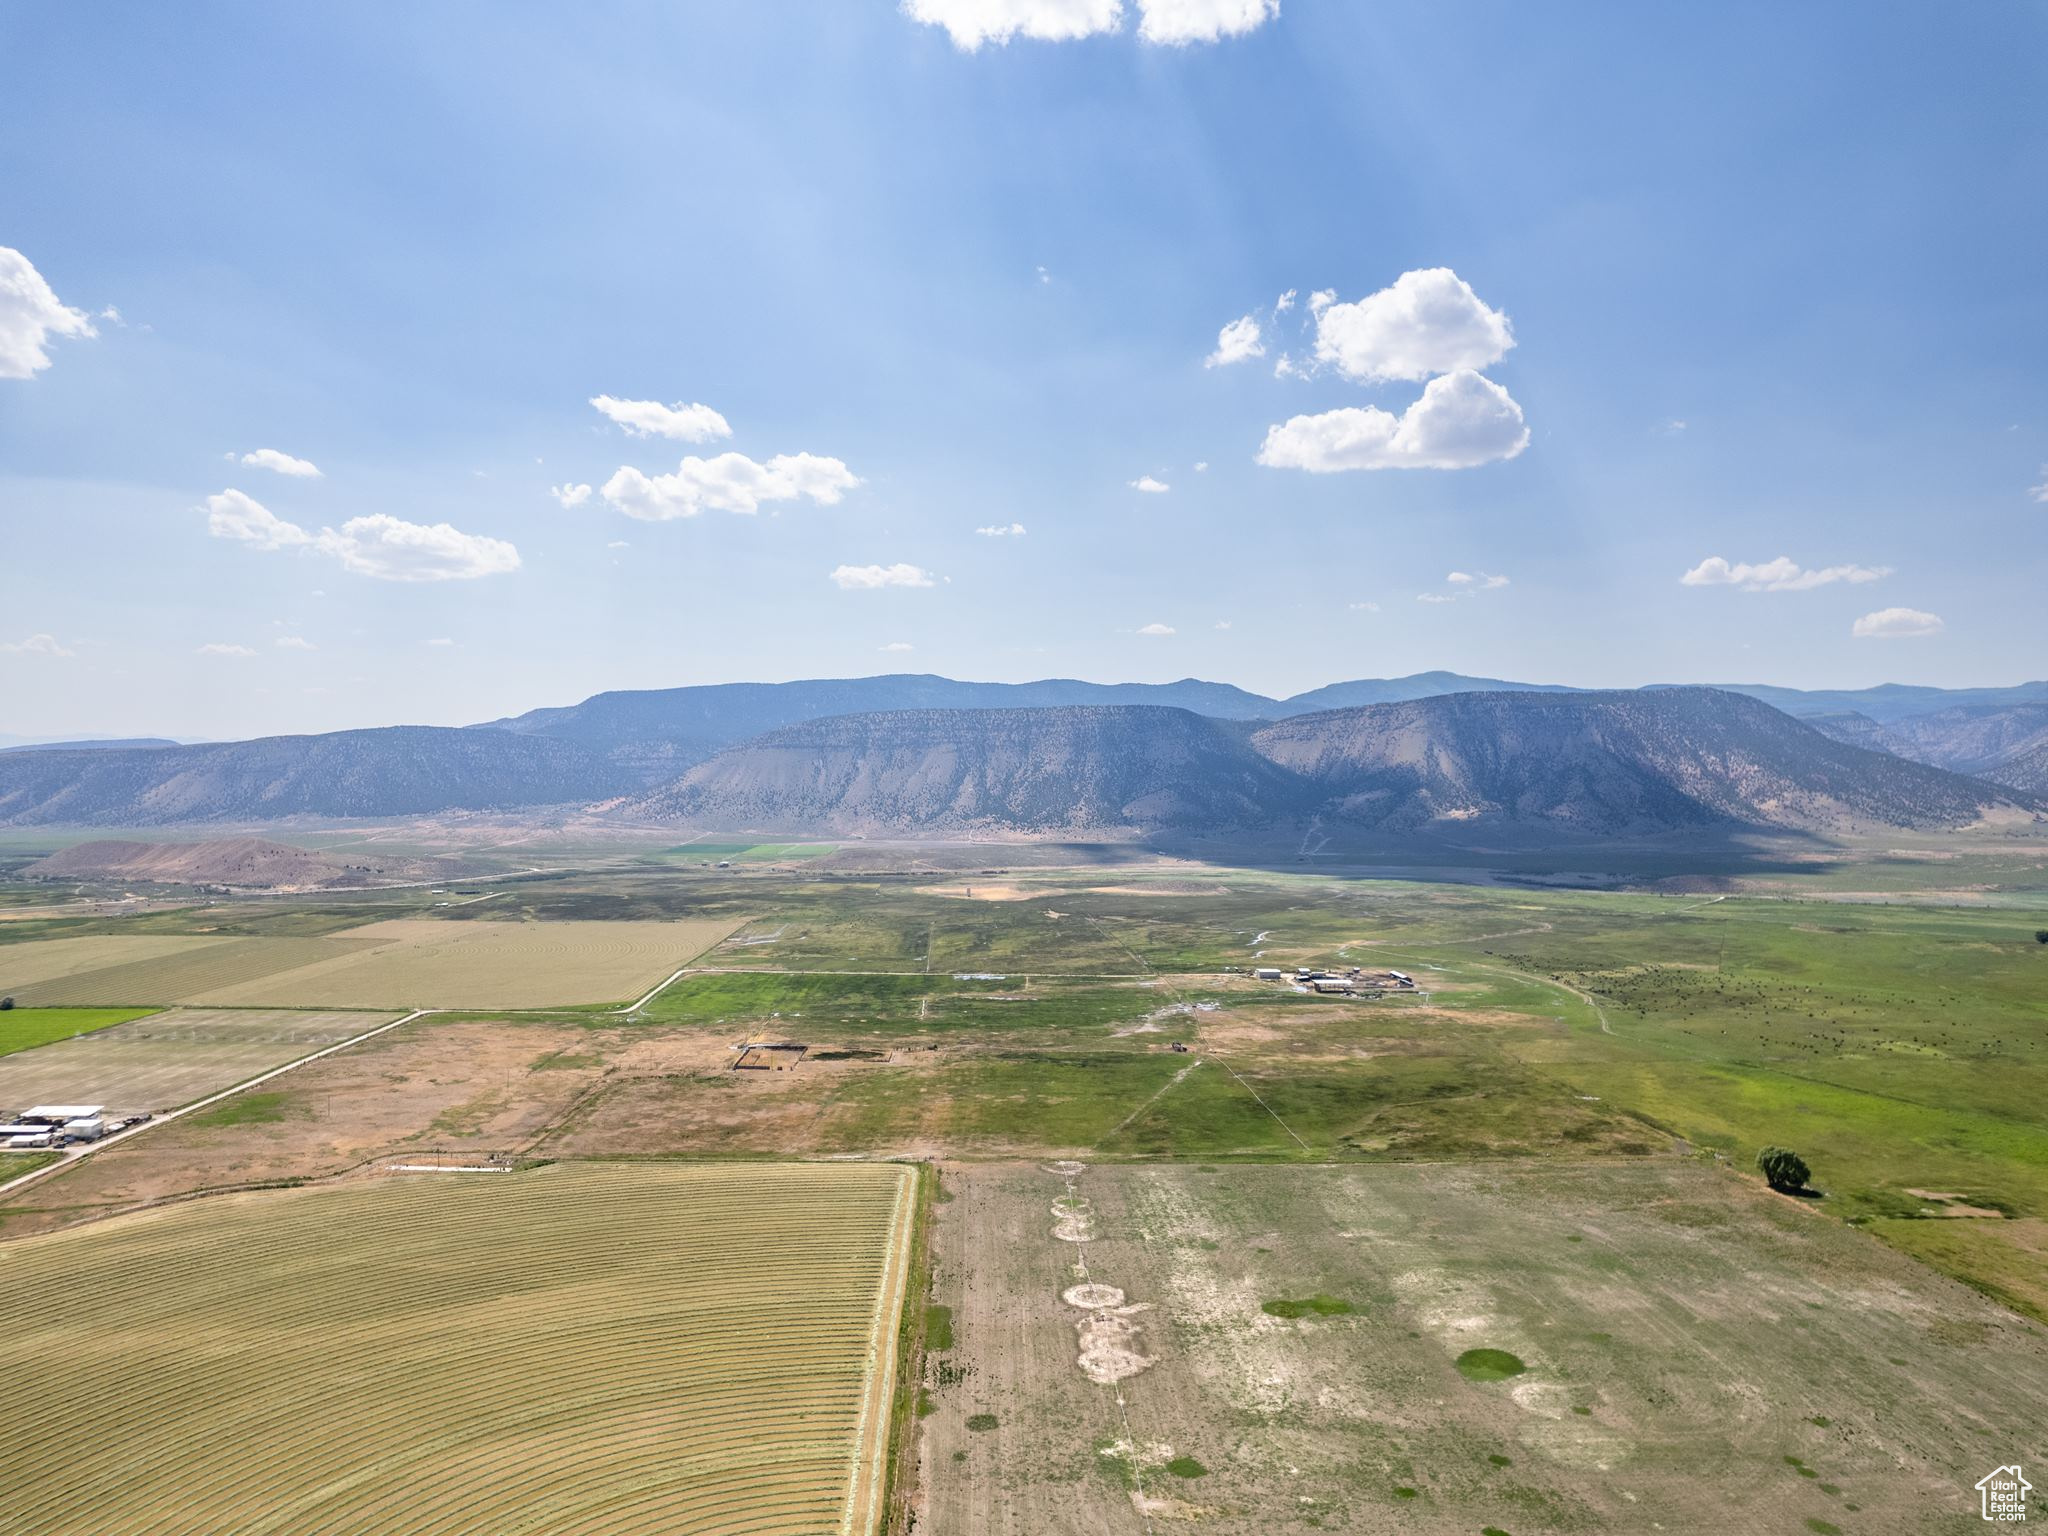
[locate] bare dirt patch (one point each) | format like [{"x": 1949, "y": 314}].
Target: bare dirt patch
[{"x": 427, "y": 1087}]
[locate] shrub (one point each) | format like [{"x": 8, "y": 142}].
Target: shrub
[{"x": 1783, "y": 1169}]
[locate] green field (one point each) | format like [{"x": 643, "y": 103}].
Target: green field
[
  {"x": 622, "y": 1349},
  {"x": 22, "y": 1028}
]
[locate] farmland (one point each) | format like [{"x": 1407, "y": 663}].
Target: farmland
[
  {"x": 170, "y": 1058},
  {"x": 24, "y": 1028},
  {"x": 1556, "y": 1129},
  {"x": 393, "y": 962},
  {"x": 571, "y": 1349},
  {"x": 1442, "y": 1349}
]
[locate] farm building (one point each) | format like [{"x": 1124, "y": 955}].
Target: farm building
[
  {"x": 1267, "y": 973},
  {"x": 50, "y": 1116}
]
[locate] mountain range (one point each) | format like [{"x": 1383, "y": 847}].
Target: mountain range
[
  {"x": 912, "y": 754},
  {"x": 1591, "y": 763}
]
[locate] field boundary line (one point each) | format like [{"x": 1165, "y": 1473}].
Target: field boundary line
[
  {"x": 75, "y": 1156},
  {"x": 871, "y": 1440}
]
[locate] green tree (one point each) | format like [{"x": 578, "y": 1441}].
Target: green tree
[
  {"x": 2041, "y": 935},
  {"x": 1783, "y": 1169}
]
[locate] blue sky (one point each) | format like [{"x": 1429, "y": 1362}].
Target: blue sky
[{"x": 1773, "y": 277}]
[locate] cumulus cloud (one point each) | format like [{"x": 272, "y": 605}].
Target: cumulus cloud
[
  {"x": 1896, "y": 624},
  {"x": 1179, "y": 22},
  {"x": 1428, "y": 322},
  {"x": 650, "y": 418},
  {"x": 871, "y": 578},
  {"x": 971, "y": 23},
  {"x": 1237, "y": 342},
  {"x": 732, "y": 482},
  {"x": 30, "y": 314},
  {"x": 233, "y": 515},
  {"x": 391, "y": 549},
  {"x": 1201, "y": 466},
  {"x": 1002, "y": 531},
  {"x": 1222, "y": 624},
  {"x": 282, "y": 463},
  {"x": 1284, "y": 303},
  {"x": 441, "y": 640},
  {"x": 220, "y": 648},
  {"x": 1156, "y": 630},
  {"x": 897, "y": 647},
  {"x": 570, "y": 495},
  {"x": 293, "y": 643},
  {"x": 1150, "y": 486},
  {"x": 1170, "y": 23},
  {"x": 1437, "y": 597},
  {"x": 2040, "y": 492},
  {"x": 1363, "y": 607},
  {"x": 380, "y": 545},
  {"x": 1476, "y": 582},
  {"x": 44, "y": 645},
  {"x": 1463, "y": 419},
  {"x": 1779, "y": 575}
]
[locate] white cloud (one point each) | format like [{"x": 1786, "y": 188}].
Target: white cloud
[
  {"x": 1779, "y": 575},
  {"x": 870, "y": 578},
  {"x": 1363, "y": 607},
  {"x": 1150, "y": 486},
  {"x": 1222, "y": 624},
  {"x": 570, "y": 495},
  {"x": 30, "y": 314},
  {"x": 1044, "y": 276},
  {"x": 1477, "y": 583},
  {"x": 1436, "y": 597},
  {"x": 442, "y": 640},
  {"x": 1201, "y": 466},
  {"x": 897, "y": 646},
  {"x": 37, "y": 645},
  {"x": 1896, "y": 624},
  {"x": 1321, "y": 300},
  {"x": 218, "y": 648},
  {"x": 1462, "y": 419},
  {"x": 1179, "y": 22},
  {"x": 1237, "y": 342},
  {"x": 1156, "y": 630},
  {"x": 232, "y": 515},
  {"x": 283, "y": 463},
  {"x": 380, "y": 545},
  {"x": 1002, "y": 531},
  {"x": 1428, "y": 322},
  {"x": 732, "y": 482},
  {"x": 1284, "y": 303},
  {"x": 294, "y": 643},
  {"x": 970, "y": 23},
  {"x": 618, "y": 544},
  {"x": 391, "y": 549},
  {"x": 650, "y": 418},
  {"x": 2040, "y": 492}
]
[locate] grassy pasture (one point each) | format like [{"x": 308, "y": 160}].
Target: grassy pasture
[
  {"x": 23, "y": 1029},
  {"x": 621, "y": 1349},
  {"x": 169, "y": 1058}
]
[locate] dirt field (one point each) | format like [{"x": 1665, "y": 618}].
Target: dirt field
[
  {"x": 169, "y": 1058},
  {"x": 427, "y": 963},
  {"x": 466, "y": 1088},
  {"x": 566, "y": 1350},
  {"x": 1700, "y": 1357}
]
